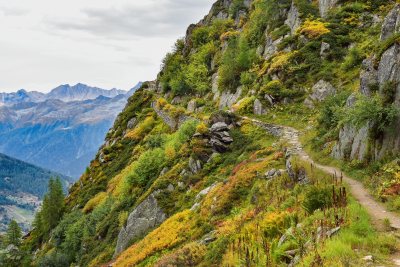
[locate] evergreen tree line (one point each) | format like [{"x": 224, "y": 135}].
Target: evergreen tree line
[{"x": 13, "y": 254}]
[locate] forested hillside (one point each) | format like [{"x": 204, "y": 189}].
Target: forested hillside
[
  {"x": 22, "y": 188},
  {"x": 209, "y": 164}
]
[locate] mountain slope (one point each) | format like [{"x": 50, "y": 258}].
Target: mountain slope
[{"x": 186, "y": 179}]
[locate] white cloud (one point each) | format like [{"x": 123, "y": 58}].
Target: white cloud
[{"x": 104, "y": 43}]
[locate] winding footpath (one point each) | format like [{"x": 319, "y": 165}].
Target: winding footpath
[{"x": 377, "y": 211}]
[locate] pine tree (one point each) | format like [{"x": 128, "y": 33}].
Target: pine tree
[
  {"x": 14, "y": 234},
  {"x": 52, "y": 208}
]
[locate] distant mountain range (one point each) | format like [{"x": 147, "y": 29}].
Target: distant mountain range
[
  {"x": 22, "y": 185},
  {"x": 61, "y": 130}
]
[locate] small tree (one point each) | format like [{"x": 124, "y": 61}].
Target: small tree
[{"x": 14, "y": 234}]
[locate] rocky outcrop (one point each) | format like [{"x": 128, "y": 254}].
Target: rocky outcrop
[
  {"x": 227, "y": 99},
  {"x": 360, "y": 144},
  {"x": 320, "y": 92},
  {"x": 293, "y": 20},
  {"x": 325, "y": 6},
  {"x": 368, "y": 76},
  {"x": 391, "y": 24},
  {"x": 389, "y": 70},
  {"x": 145, "y": 217},
  {"x": 220, "y": 138}
]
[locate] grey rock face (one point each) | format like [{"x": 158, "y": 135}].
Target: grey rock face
[
  {"x": 368, "y": 76},
  {"x": 293, "y": 20},
  {"x": 227, "y": 98},
  {"x": 131, "y": 123},
  {"x": 389, "y": 69},
  {"x": 145, "y": 217},
  {"x": 358, "y": 143},
  {"x": 353, "y": 142},
  {"x": 214, "y": 87},
  {"x": 325, "y": 6},
  {"x": 320, "y": 92},
  {"x": 258, "y": 108},
  {"x": 391, "y": 24}
]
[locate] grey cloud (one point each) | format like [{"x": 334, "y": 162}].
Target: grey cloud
[{"x": 159, "y": 19}]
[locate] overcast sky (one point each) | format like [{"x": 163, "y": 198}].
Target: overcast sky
[{"x": 104, "y": 43}]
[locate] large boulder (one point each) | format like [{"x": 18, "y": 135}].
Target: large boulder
[
  {"x": 320, "y": 91},
  {"x": 145, "y": 217}
]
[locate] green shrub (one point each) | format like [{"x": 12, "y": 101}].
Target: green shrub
[
  {"x": 317, "y": 198},
  {"x": 238, "y": 58},
  {"x": 278, "y": 90},
  {"x": 331, "y": 114},
  {"x": 307, "y": 8},
  {"x": 371, "y": 110},
  {"x": 236, "y": 6},
  {"x": 147, "y": 167},
  {"x": 353, "y": 59}
]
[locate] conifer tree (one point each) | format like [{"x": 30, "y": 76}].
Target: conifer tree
[
  {"x": 52, "y": 208},
  {"x": 14, "y": 234}
]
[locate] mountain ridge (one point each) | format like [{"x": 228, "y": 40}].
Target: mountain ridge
[
  {"x": 53, "y": 130},
  {"x": 65, "y": 93}
]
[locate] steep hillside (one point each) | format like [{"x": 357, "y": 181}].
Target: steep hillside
[
  {"x": 22, "y": 188},
  {"x": 188, "y": 177}
]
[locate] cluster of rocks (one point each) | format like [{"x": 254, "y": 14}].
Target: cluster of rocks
[{"x": 220, "y": 139}]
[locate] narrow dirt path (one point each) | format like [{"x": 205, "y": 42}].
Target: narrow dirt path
[{"x": 377, "y": 211}]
